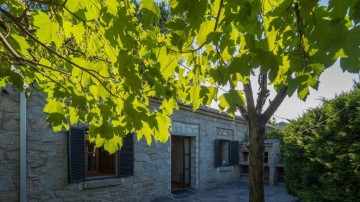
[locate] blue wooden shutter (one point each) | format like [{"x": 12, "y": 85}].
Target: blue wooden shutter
[
  {"x": 76, "y": 155},
  {"x": 234, "y": 153},
  {"x": 217, "y": 153},
  {"x": 126, "y": 157}
]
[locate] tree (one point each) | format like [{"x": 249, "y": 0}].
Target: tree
[
  {"x": 99, "y": 62},
  {"x": 322, "y": 151}
]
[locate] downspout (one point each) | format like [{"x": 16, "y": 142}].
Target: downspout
[{"x": 22, "y": 147}]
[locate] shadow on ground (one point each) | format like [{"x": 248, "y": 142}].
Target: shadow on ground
[{"x": 234, "y": 191}]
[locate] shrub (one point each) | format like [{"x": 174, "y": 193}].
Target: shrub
[{"x": 322, "y": 151}]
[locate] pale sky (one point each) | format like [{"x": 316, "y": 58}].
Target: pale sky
[{"x": 332, "y": 81}]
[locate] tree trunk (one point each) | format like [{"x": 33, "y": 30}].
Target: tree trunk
[{"x": 256, "y": 151}]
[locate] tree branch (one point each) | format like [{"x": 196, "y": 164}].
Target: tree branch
[
  {"x": 218, "y": 14},
  {"x": 249, "y": 99},
  {"x": 243, "y": 112},
  {"x": 91, "y": 72},
  {"x": 263, "y": 93},
  {"x": 8, "y": 46},
  {"x": 274, "y": 105},
  {"x": 76, "y": 16},
  {"x": 301, "y": 49}
]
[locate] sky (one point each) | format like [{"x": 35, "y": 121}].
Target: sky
[{"x": 332, "y": 81}]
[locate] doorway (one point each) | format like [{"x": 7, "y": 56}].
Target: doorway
[{"x": 180, "y": 162}]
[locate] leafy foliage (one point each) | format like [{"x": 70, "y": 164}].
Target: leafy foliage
[
  {"x": 101, "y": 61},
  {"x": 96, "y": 63},
  {"x": 322, "y": 151}
]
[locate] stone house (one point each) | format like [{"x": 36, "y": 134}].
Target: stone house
[
  {"x": 37, "y": 164},
  {"x": 273, "y": 167}
]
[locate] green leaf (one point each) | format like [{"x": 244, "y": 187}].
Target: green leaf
[
  {"x": 73, "y": 114},
  {"x": 112, "y": 6},
  {"x": 194, "y": 92},
  {"x": 205, "y": 29},
  {"x": 151, "y": 13},
  {"x": 45, "y": 62},
  {"x": 78, "y": 31},
  {"x": 230, "y": 100},
  {"x": 146, "y": 132},
  {"x": 47, "y": 30},
  {"x": 168, "y": 63},
  {"x": 58, "y": 121},
  {"x": 20, "y": 44},
  {"x": 169, "y": 105},
  {"x": 208, "y": 94},
  {"x": 239, "y": 69},
  {"x": 112, "y": 145},
  {"x": 163, "y": 126},
  {"x": 94, "y": 44},
  {"x": 54, "y": 106},
  {"x": 303, "y": 92}
]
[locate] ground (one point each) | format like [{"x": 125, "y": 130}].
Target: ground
[{"x": 234, "y": 191}]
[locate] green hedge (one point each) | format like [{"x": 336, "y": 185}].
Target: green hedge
[{"x": 322, "y": 151}]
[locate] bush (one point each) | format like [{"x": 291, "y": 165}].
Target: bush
[{"x": 322, "y": 151}]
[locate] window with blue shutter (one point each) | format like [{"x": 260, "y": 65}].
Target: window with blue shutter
[
  {"x": 226, "y": 153},
  {"x": 126, "y": 157},
  {"x": 234, "y": 153},
  {"x": 76, "y": 155},
  {"x": 217, "y": 153},
  {"x": 86, "y": 161}
]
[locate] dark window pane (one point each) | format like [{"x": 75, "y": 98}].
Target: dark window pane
[
  {"x": 224, "y": 152},
  {"x": 91, "y": 156},
  {"x": 266, "y": 157},
  {"x": 100, "y": 162},
  {"x": 246, "y": 156},
  {"x": 107, "y": 162}
]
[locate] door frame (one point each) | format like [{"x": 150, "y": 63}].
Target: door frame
[{"x": 184, "y": 156}]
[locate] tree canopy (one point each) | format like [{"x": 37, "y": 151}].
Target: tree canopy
[{"x": 100, "y": 61}]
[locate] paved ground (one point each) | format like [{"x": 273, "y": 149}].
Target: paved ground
[{"x": 235, "y": 191}]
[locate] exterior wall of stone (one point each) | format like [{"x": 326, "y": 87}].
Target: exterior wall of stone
[
  {"x": 47, "y": 162},
  {"x": 47, "y": 172},
  {"x": 205, "y": 128},
  {"x": 274, "y": 159},
  {"x": 271, "y": 167},
  {"x": 9, "y": 144}
]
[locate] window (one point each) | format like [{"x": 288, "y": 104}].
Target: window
[
  {"x": 99, "y": 161},
  {"x": 266, "y": 157},
  {"x": 226, "y": 153},
  {"x": 85, "y": 161},
  {"x": 245, "y": 156}
]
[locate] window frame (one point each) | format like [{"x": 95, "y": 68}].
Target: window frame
[
  {"x": 233, "y": 153},
  {"x": 266, "y": 157},
  {"x": 245, "y": 155},
  {"x": 98, "y": 174},
  {"x": 221, "y": 150},
  {"x": 77, "y": 157}
]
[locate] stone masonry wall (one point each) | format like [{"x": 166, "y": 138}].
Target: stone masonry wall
[
  {"x": 206, "y": 128},
  {"x": 47, "y": 157},
  {"x": 9, "y": 144},
  {"x": 47, "y": 162}
]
